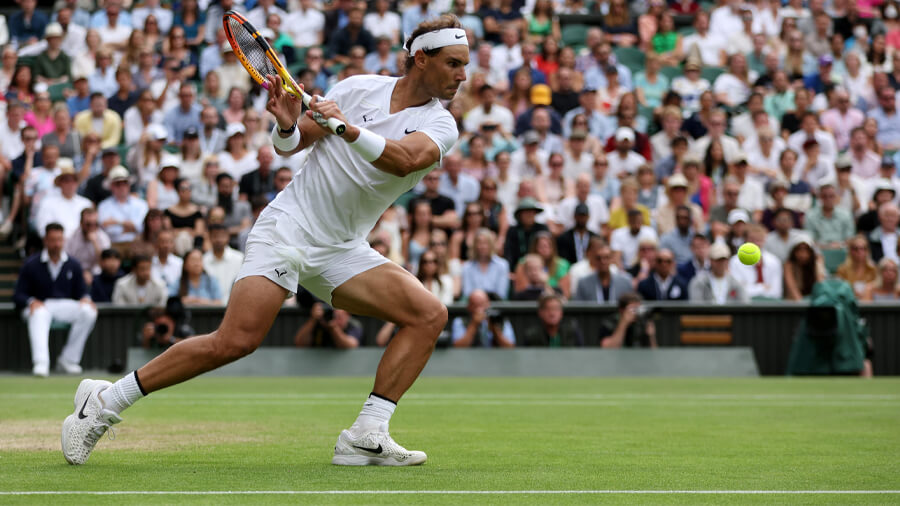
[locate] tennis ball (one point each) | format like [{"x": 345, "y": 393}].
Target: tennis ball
[{"x": 749, "y": 253}]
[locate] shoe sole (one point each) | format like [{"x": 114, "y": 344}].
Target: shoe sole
[
  {"x": 84, "y": 388},
  {"x": 363, "y": 460}
]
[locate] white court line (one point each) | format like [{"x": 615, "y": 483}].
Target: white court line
[
  {"x": 498, "y": 396},
  {"x": 449, "y": 492}
]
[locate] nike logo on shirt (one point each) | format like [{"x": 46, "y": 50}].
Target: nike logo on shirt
[{"x": 408, "y": 131}]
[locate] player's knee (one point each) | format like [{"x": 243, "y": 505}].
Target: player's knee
[
  {"x": 434, "y": 316},
  {"x": 233, "y": 345}
]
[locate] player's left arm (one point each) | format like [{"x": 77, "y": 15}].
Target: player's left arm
[{"x": 416, "y": 151}]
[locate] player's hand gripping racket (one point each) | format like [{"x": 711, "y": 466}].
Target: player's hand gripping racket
[{"x": 260, "y": 60}]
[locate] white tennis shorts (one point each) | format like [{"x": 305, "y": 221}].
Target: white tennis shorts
[{"x": 280, "y": 250}]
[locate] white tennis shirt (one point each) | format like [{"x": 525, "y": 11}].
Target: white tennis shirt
[{"x": 337, "y": 197}]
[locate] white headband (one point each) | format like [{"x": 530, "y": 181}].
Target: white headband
[{"x": 440, "y": 38}]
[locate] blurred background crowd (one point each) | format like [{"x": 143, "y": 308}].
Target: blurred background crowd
[{"x": 606, "y": 147}]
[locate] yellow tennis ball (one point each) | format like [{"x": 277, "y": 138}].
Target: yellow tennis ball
[{"x": 749, "y": 253}]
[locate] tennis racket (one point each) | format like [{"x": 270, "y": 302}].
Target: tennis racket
[{"x": 257, "y": 56}]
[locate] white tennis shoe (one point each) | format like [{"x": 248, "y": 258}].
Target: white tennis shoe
[
  {"x": 374, "y": 448},
  {"x": 83, "y": 428}
]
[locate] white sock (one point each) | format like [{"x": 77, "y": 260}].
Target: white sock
[
  {"x": 376, "y": 412},
  {"x": 122, "y": 393}
]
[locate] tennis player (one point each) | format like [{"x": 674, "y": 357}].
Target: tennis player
[{"x": 313, "y": 234}]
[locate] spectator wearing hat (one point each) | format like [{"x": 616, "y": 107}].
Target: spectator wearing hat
[
  {"x": 817, "y": 80},
  {"x": 110, "y": 125},
  {"x": 139, "y": 288},
  {"x": 717, "y": 286},
  {"x": 829, "y": 225},
  {"x": 145, "y": 156},
  {"x": 236, "y": 160},
  {"x": 125, "y": 96},
  {"x": 624, "y": 161},
  {"x": 53, "y": 65},
  {"x": 122, "y": 214},
  {"x": 676, "y": 196},
  {"x": 488, "y": 111},
  {"x": 64, "y": 207},
  {"x": 460, "y": 187},
  {"x": 161, "y": 191},
  {"x": 51, "y": 287},
  {"x": 883, "y": 239},
  {"x": 577, "y": 159},
  {"x": 572, "y": 244},
  {"x": 842, "y": 119},
  {"x": 784, "y": 232},
  {"x": 554, "y": 330},
  {"x": 183, "y": 116},
  {"x": 625, "y": 240},
  {"x": 531, "y": 160},
  {"x": 27, "y": 25},
  {"x": 547, "y": 119},
  {"x": 885, "y": 179},
  {"x": 764, "y": 279},
  {"x": 691, "y": 86},
  {"x": 232, "y": 72},
  {"x": 87, "y": 243},
  {"x": 603, "y": 285},
  {"x": 663, "y": 283},
  {"x": 520, "y": 235},
  {"x": 109, "y": 271},
  {"x": 738, "y": 220},
  {"x": 678, "y": 239}
]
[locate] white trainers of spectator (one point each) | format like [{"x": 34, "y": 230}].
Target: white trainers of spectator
[
  {"x": 68, "y": 367},
  {"x": 41, "y": 370},
  {"x": 375, "y": 448},
  {"x": 86, "y": 425}
]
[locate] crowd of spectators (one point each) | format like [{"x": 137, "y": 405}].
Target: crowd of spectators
[{"x": 632, "y": 156}]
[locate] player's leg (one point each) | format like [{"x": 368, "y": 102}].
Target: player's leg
[
  {"x": 390, "y": 293},
  {"x": 252, "y": 308}
]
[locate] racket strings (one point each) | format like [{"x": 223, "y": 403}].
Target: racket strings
[{"x": 253, "y": 52}]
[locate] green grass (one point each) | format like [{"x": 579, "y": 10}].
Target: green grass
[{"x": 480, "y": 434}]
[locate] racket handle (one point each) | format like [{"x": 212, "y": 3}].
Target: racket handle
[{"x": 335, "y": 125}]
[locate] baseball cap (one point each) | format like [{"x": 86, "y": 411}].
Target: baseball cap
[
  {"x": 226, "y": 47},
  {"x": 624, "y": 133},
  {"x": 826, "y": 59},
  {"x": 719, "y": 251},
  {"x": 883, "y": 184},
  {"x": 158, "y": 132},
  {"x": 582, "y": 209},
  {"x": 53, "y": 30},
  {"x": 169, "y": 160},
  {"x": 541, "y": 94},
  {"x": 739, "y": 157},
  {"x": 528, "y": 204},
  {"x": 531, "y": 137},
  {"x": 192, "y": 132},
  {"x": 736, "y": 215},
  {"x": 267, "y": 33},
  {"x": 109, "y": 151},
  {"x": 843, "y": 161},
  {"x": 887, "y": 161},
  {"x": 778, "y": 183},
  {"x": 578, "y": 134},
  {"x": 233, "y": 129}
]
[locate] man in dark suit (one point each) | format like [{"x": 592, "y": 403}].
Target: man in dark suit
[
  {"x": 603, "y": 285},
  {"x": 572, "y": 244},
  {"x": 51, "y": 288},
  {"x": 664, "y": 283},
  {"x": 699, "y": 261}
]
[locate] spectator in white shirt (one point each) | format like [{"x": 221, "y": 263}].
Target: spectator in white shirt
[
  {"x": 711, "y": 47},
  {"x": 222, "y": 262},
  {"x": 809, "y": 130},
  {"x": 122, "y": 214},
  {"x": 508, "y": 55},
  {"x": 166, "y": 266},
  {"x": 625, "y": 240},
  {"x": 762, "y": 280},
  {"x": 64, "y": 207},
  {"x": 623, "y": 161},
  {"x": 489, "y": 112},
  {"x": 306, "y": 25},
  {"x": 380, "y": 23},
  {"x": 529, "y": 161},
  {"x": 258, "y": 15},
  {"x": 140, "y": 288}
]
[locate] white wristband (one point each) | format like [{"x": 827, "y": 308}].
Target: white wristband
[
  {"x": 285, "y": 144},
  {"x": 369, "y": 144}
]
